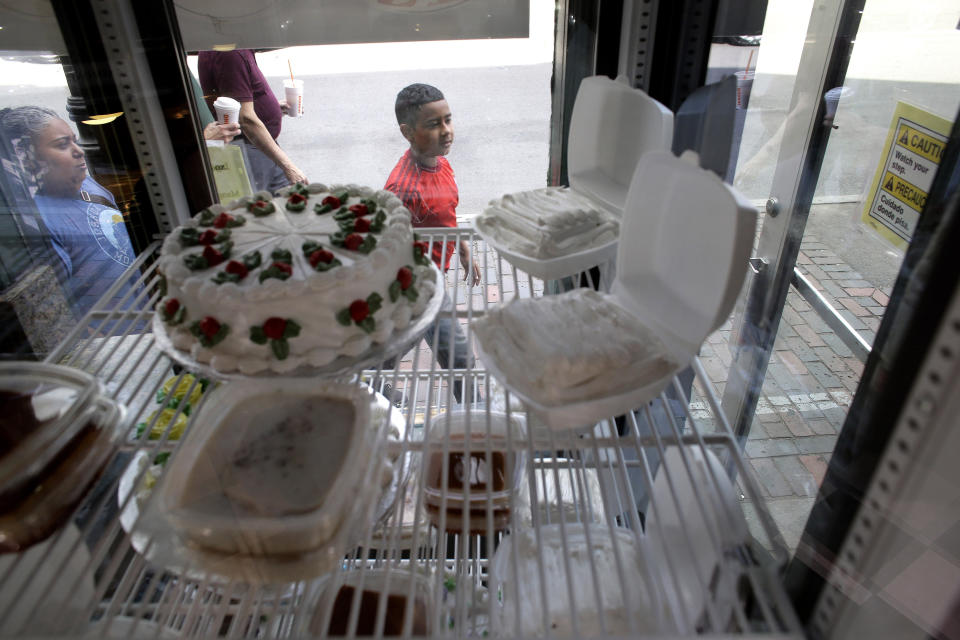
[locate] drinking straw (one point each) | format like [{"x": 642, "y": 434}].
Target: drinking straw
[
  {"x": 749, "y": 60},
  {"x": 290, "y": 66}
]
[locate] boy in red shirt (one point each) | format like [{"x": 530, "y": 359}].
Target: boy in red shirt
[{"x": 424, "y": 181}]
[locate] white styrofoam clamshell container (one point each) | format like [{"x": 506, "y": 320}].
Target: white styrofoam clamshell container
[
  {"x": 596, "y": 561},
  {"x": 685, "y": 241},
  {"x": 611, "y": 127},
  {"x": 195, "y": 505}
]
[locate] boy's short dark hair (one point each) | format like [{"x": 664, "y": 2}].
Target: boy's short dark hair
[{"x": 411, "y": 98}]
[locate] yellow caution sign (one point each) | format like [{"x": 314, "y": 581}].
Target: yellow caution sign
[
  {"x": 909, "y": 161},
  {"x": 904, "y": 191},
  {"x": 920, "y": 143}
]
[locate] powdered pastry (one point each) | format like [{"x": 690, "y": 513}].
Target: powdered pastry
[
  {"x": 571, "y": 347},
  {"x": 547, "y": 223}
]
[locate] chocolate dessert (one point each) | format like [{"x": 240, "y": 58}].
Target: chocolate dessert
[{"x": 367, "y": 616}]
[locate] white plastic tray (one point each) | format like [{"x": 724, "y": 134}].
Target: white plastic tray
[
  {"x": 399, "y": 343},
  {"x": 553, "y": 268}
]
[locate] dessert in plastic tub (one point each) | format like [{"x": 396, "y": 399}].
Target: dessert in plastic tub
[
  {"x": 404, "y": 598},
  {"x": 601, "y": 602},
  {"x": 52, "y": 495},
  {"x": 44, "y": 407},
  {"x": 470, "y": 464},
  {"x": 275, "y": 467}
]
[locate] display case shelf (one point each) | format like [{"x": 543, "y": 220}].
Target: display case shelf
[{"x": 654, "y": 502}]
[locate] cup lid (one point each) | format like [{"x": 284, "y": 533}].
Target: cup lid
[{"x": 224, "y": 102}]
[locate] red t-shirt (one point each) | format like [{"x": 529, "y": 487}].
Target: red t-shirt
[
  {"x": 431, "y": 195},
  {"x": 235, "y": 74}
]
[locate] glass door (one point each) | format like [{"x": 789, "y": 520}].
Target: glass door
[{"x": 844, "y": 116}]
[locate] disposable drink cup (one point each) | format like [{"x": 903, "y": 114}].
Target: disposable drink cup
[
  {"x": 294, "y": 94},
  {"x": 228, "y": 110},
  {"x": 744, "y": 85}
]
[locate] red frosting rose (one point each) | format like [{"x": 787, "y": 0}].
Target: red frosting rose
[
  {"x": 213, "y": 256},
  {"x": 222, "y": 220},
  {"x": 353, "y": 241},
  {"x": 172, "y": 306},
  {"x": 361, "y": 225},
  {"x": 238, "y": 268},
  {"x": 274, "y": 328},
  {"x": 359, "y": 210},
  {"x": 320, "y": 255},
  {"x": 209, "y": 327},
  {"x": 333, "y": 201},
  {"x": 282, "y": 266},
  {"x": 359, "y": 310},
  {"x": 208, "y": 237},
  {"x": 405, "y": 276}
]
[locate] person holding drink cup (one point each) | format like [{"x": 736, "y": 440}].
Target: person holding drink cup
[{"x": 234, "y": 75}]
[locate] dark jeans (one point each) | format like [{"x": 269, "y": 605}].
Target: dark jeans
[
  {"x": 264, "y": 173},
  {"x": 450, "y": 347}
]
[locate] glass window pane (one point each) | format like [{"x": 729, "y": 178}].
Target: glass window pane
[{"x": 850, "y": 261}]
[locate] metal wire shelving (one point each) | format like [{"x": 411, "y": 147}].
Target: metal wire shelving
[{"x": 656, "y": 482}]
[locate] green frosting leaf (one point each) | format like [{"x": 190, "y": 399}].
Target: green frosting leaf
[
  {"x": 292, "y": 330},
  {"x": 343, "y": 317},
  {"x": 374, "y": 301},
  {"x": 394, "y": 290},
  {"x": 281, "y": 349},
  {"x": 368, "y": 324},
  {"x": 196, "y": 263},
  {"x": 257, "y": 335},
  {"x": 281, "y": 255},
  {"x": 369, "y": 243},
  {"x": 251, "y": 260}
]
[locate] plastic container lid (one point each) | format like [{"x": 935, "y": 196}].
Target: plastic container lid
[
  {"x": 61, "y": 403},
  {"x": 275, "y": 467},
  {"x": 333, "y": 598},
  {"x": 684, "y": 246},
  {"x": 611, "y": 127},
  {"x": 495, "y": 478}
]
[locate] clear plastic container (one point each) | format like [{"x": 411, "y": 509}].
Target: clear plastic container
[
  {"x": 468, "y": 468},
  {"x": 63, "y": 483},
  {"x": 44, "y": 407},
  {"x": 600, "y": 601},
  {"x": 276, "y": 467},
  {"x": 405, "y": 593}
]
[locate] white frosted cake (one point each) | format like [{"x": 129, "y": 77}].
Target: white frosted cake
[
  {"x": 575, "y": 346},
  {"x": 275, "y": 283},
  {"x": 547, "y": 223}
]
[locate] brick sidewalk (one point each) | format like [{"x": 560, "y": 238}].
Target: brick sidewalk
[{"x": 810, "y": 382}]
